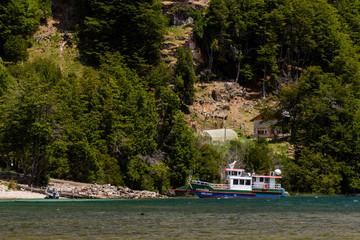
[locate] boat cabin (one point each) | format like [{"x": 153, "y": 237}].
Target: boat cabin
[
  {"x": 265, "y": 182},
  {"x": 237, "y": 179}
]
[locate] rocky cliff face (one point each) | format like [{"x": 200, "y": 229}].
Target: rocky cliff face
[
  {"x": 221, "y": 104},
  {"x": 176, "y": 10},
  {"x": 217, "y": 104},
  {"x": 181, "y": 33}
]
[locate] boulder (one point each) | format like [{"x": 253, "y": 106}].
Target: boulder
[
  {"x": 216, "y": 96},
  {"x": 221, "y": 114},
  {"x": 226, "y": 106},
  {"x": 227, "y": 86}
]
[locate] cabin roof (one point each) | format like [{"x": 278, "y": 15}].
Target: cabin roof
[
  {"x": 258, "y": 117},
  {"x": 266, "y": 176},
  {"x": 233, "y": 169}
]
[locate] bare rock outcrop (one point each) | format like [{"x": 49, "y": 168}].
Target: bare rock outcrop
[{"x": 177, "y": 11}]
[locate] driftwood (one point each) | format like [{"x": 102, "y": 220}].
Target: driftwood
[
  {"x": 70, "y": 189},
  {"x": 96, "y": 191}
]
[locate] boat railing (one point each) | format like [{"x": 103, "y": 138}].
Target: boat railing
[
  {"x": 271, "y": 186},
  {"x": 201, "y": 182},
  {"x": 213, "y": 185},
  {"x": 220, "y": 186}
]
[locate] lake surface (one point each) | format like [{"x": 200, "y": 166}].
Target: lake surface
[{"x": 182, "y": 218}]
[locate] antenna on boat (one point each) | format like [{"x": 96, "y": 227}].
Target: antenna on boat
[{"x": 232, "y": 165}]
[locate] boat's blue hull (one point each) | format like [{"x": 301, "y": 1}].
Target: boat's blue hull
[{"x": 209, "y": 194}]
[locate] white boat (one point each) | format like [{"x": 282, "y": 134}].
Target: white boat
[{"x": 51, "y": 193}]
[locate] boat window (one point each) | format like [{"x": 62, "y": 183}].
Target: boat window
[
  {"x": 236, "y": 182},
  {"x": 254, "y": 179},
  {"x": 241, "y": 181},
  {"x": 261, "y": 179},
  {"x": 247, "y": 182},
  {"x": 267, "y": 180},
  {"x": 233, "y": 173}
]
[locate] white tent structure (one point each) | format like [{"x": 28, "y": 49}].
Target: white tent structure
[{"x": 218, "y": 135}]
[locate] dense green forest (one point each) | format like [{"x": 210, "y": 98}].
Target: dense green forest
[
  {"x": 119, "y": 122},
  {"x": 307, "y": 54},
  {"x": 122, "y": 120}
]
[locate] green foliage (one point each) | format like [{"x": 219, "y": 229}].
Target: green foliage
[
  {"x": 275, "y": 39},
  {"x": 15, "y": 49},
  {"x": 102, "y": 125},
  {"x": 185, "y": 77},
  {"x": 121, "y": 124},
  {"x": 323, "y": 114},
  {"x": 258, "y": 157},
  {"x": 161, "y": 175},
  {"x": 5, "y": 79},
  {"x": 142, "y": 175},
  {"x": 207, "y": 164},
  {"x": 247, "y": 73},
  {"x": 111, "y": 172},
  {"x": 182, "y": 153},
  {"x": 138, "y": 174},
  {"x": 314, "y": 172},
  {"x": 28, "y": 126},
  {"x": 83, "y": 165},
  {"x": 133, "y": 28},
  {"x": 21, "y": 18},
  {"x": 13, "y": 185}
]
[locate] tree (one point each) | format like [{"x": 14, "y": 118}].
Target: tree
[
  {"x": 207, "y": 166},
  {"x": 258, "y": 158},
  {"x": 28, "y": 122},
  {"x": 182, "y": 152},
  {"x": 323, "y": 112},
  {"x": 268, "y": 60},
  {"x": 15, "y": 49},
  {"x": 314, "y": 172},
  {"x": 185, "y": 77},
  {"x": 213, "y": 38},
  {"x": 4, "y": 79},
  {"x": 21, "y": 18},
  {"x": 133, "y": 28},
  {"x": 273, "y": 41}
]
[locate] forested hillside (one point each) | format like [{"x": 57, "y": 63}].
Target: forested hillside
[
  {"x": 117, "y": 114},
  {"x": 306, "y": 54},
  {"x": 117, "y": 120}
]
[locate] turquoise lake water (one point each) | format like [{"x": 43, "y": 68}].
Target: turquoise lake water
[{"x": 182, "y": 218}]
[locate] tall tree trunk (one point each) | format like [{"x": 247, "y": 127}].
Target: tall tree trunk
[
  {"x": 293, "y": 130},
  {"x": 8, "y": 169},
  {"x": 6, "y": 160},
  {"x": 238, "y": 69},
  {"x": 263, "y": 87},
  {"x": 24, "y": 165}
]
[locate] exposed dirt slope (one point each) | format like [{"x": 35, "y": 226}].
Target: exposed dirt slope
[{"x": 224, "y": 104}]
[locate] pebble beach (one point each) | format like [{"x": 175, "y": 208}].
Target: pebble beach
[
  {"x": 69, "y": 189},
  {"x": 5, "y": 193}
]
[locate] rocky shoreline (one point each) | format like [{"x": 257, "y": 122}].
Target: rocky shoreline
[{"x": 70, "y": 189}]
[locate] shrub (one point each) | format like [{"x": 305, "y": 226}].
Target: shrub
[
  {"x": 13, "y": 184},
  {"x": 15, "y": 49}
]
